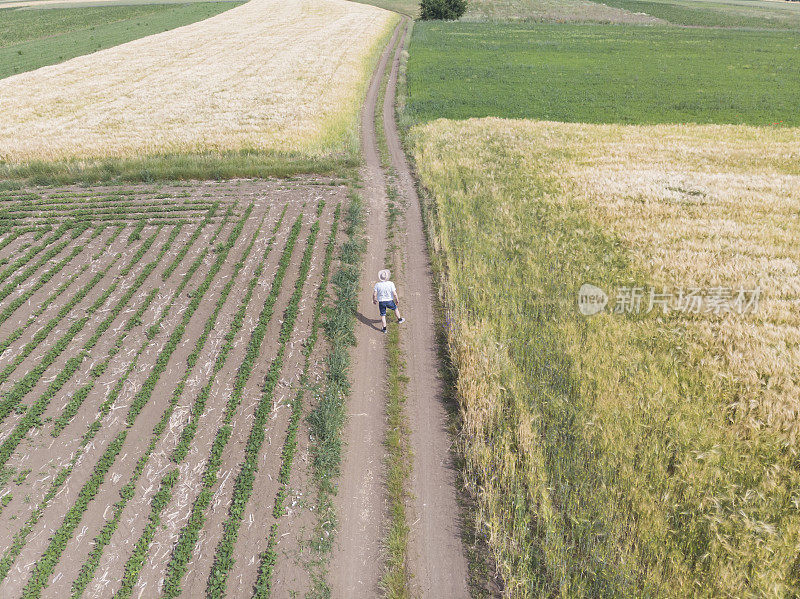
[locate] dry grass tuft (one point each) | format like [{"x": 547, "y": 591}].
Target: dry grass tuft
[{"x": 278, "y": 76}]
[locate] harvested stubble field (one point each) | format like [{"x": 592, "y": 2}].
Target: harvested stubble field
[
  {"x": 158, "y": 344},
  {"x": 634, "y": 454},
  {"x": 281, "y": 79}
]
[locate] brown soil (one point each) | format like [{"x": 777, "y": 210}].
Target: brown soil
[
  {"x": 357, "y": 565},
  {"x": 45, "y": 455},
  {"x": 436, "y": 558}
]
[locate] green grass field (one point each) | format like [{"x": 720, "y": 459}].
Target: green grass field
[
  {"x": 30, "y": 39},
  {"x": 404, "y": 7},
  {"x": 603, "y": 74},
  {"x": 705, "y": 13}
]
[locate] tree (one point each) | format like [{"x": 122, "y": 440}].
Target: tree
[{"x": 447, "y": 10}]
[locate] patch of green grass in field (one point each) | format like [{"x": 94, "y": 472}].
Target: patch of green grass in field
[
  {"x": 404, "y": 7},
  {"x": 603, "y": 74},
  {"x": 768, "y": 15},
  {"x": 174, "y": 167},
  {"x": 19, "y": 26},
  {"x": 30, "y": 39}
]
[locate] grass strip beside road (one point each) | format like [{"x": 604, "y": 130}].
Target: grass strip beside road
[{"x": 327, "y": 418}]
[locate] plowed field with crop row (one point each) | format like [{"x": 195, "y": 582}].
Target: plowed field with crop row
[{"x": 157, "y": 346}]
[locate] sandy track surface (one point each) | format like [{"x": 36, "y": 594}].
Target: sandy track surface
[
  {"x": 356, "y": 564},
  {"x": 437, "y": 562},
  {"x": 437, "y": 559}
]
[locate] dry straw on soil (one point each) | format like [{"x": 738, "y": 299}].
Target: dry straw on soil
[
  {"x": 631, "y": 456},
  {"x": 271, "y": 75}
]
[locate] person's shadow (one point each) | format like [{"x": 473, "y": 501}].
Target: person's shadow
[{"x": 370, "y": 323}]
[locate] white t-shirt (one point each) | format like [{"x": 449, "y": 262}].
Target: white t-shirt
[{"x": 385, "y": 289}]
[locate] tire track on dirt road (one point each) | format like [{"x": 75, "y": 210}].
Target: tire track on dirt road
[
  {"x": 436, "y": 557},
  {"x": 356, "y": 563}
]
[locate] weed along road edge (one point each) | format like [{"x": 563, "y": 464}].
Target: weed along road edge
[
  {"x": 437, "y": 563},
  {"x": 360, "y": 503},
  {"x": 436, "y": 553}
]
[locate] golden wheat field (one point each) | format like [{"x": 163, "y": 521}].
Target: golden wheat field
[
  {"x": 633, "y": 454},
  {"x": 283, "y": 76}
]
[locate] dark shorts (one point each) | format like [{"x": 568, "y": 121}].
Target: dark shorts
[{"x": 383, "y": 305}]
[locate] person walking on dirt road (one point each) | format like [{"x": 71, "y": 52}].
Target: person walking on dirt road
[{"x": 385, "y": 295}]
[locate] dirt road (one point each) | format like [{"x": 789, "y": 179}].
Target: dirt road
[{"x": 436, "y": 556}]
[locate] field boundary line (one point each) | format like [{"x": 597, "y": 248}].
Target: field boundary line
[
  {"x": 354, "y": 400},
  {"x": 437, "y": 561}
]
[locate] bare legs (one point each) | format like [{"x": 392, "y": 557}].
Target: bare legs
[{"x": 383, "y": 317}]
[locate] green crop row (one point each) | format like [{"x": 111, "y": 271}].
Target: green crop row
[
  {"x": 32, "y": 253},
  {"x": 26, "y": 383},
  {"x": 268, "y": 557},
  {"x": 17, "y": 333},
  {"x": 104, "y": 536},
  {"x": 198, "y": 407},
  {"x": 93, "y": 208},
  {"x": 176, "y": 568},
  {"x": 72, "y": 406},
  {"x": 111, "y": 240},
  {"x": 135, "y": 562},
  {"x": 22, "y": 386},
  {"x": 49, "y": 255},
  {"x": 19, "y": 539},
  {"x": 174, "y": 264},
  {"x": 132, "y": 573},
  {"x": 41, "y": 231},
  {"x": 15, "y": 233},
  {"x": 243, "y": 487},
  {"x": 327, "y": 418},
  {"x": 58, "y": 543},
  {"x": 45, "y": 564},
  {"x": 141, "y": 398},
  {"x": 36, "y": 409},
  {"x": 136, "y": 234},
  {"x": 65, "y": 310}
]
